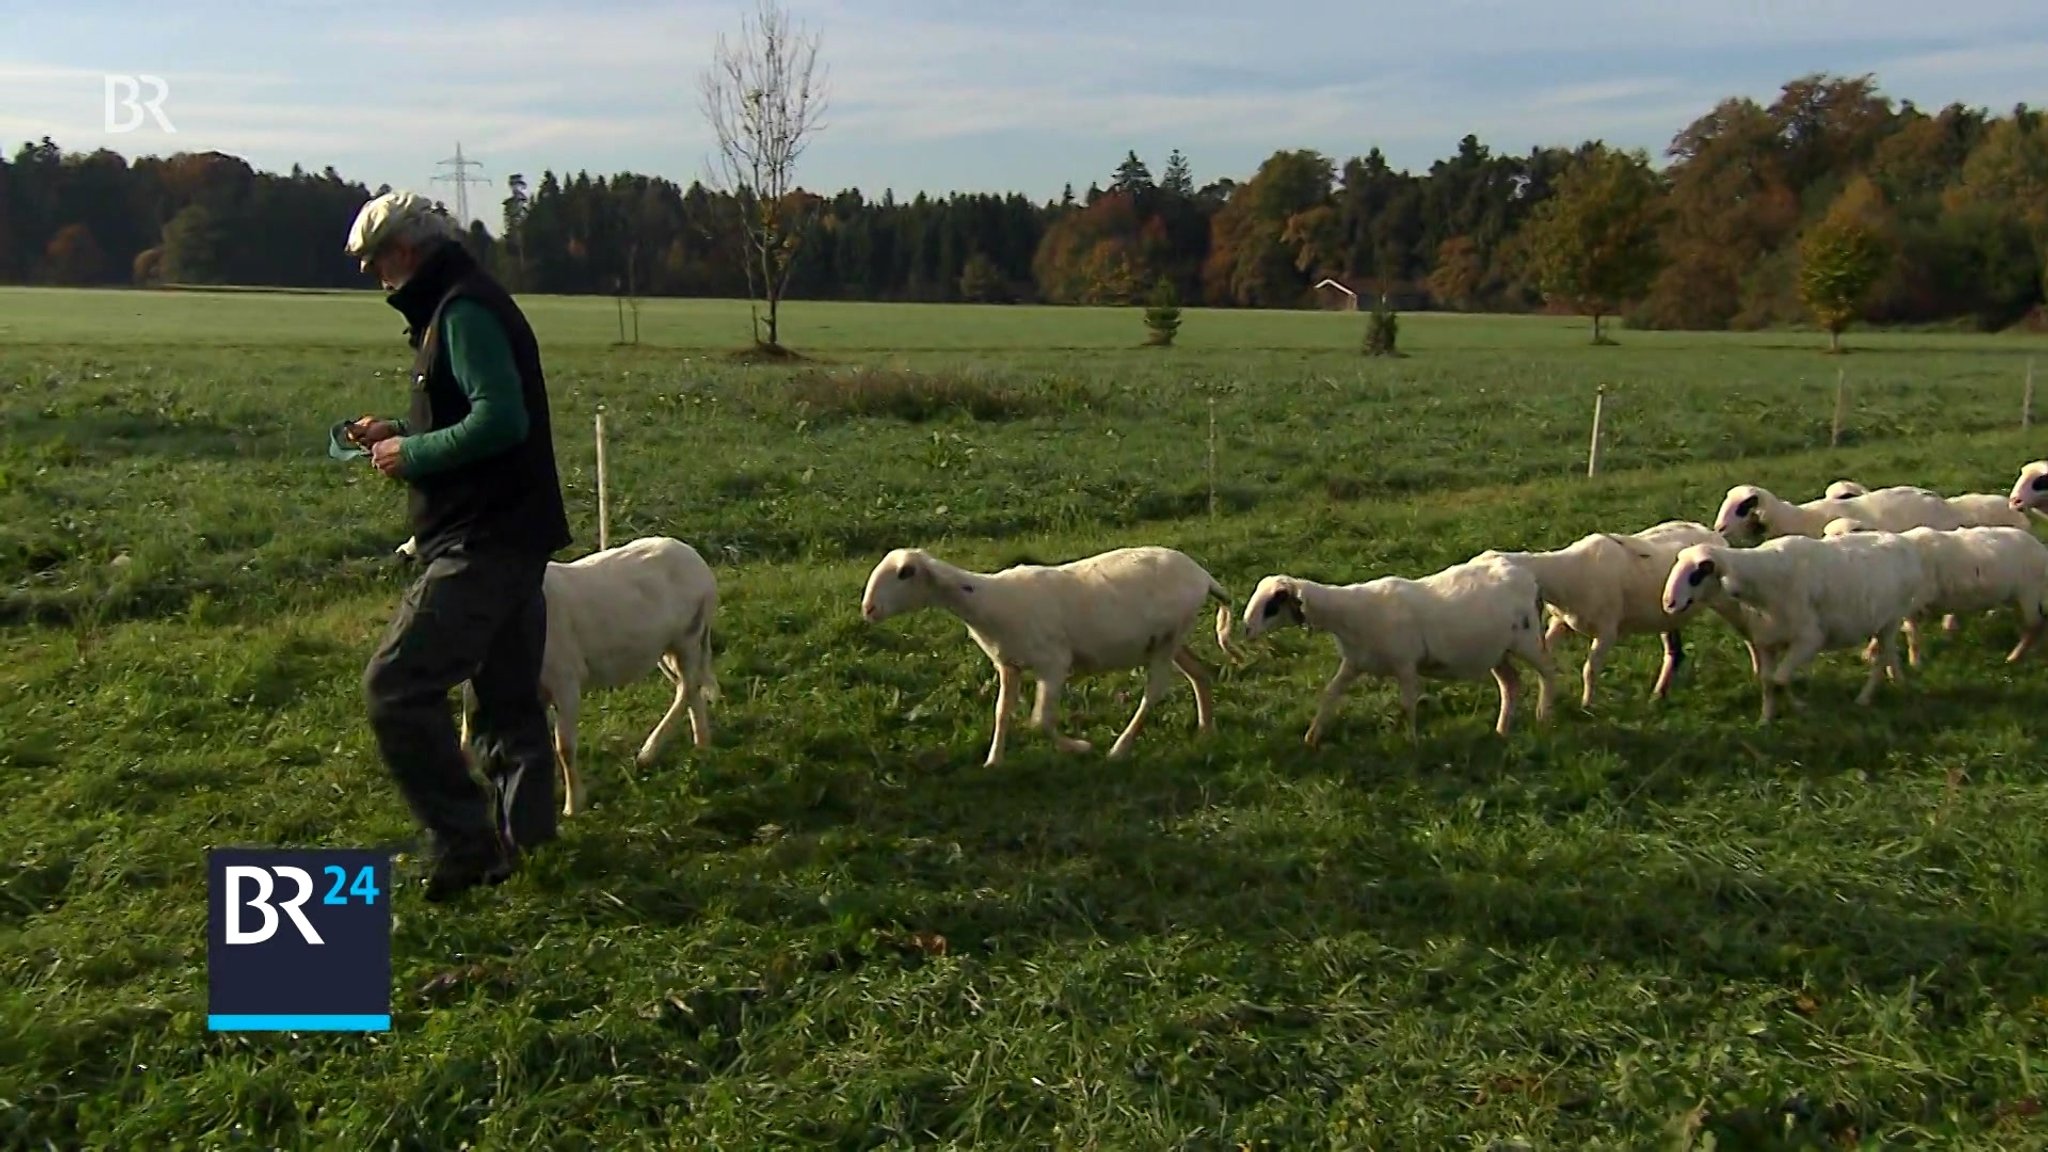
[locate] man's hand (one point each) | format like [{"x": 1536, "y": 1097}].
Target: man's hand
[
  {"x": 384, "y": 454},
  {"x": 370, "y": 431}
]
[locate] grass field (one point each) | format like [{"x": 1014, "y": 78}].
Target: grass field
[{"x": 1643, "y": 927}]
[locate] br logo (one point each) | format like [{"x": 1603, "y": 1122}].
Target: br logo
[{"x": 298, "y": 940}]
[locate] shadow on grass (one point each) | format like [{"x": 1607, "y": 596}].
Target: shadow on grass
[{"x": 1255, "y": 839}]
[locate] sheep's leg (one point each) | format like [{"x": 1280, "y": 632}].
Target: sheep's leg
[
  {"x": 1596, "y": 659},
  {"x": 1911, "y": 627},
  {"x": 1047, "y": 711},
  {"x": 1006, "y": 702},
  {"x": 1555, "y": 632},
  {"x": 1760, "y": 658},
  {"x": 1347, "y": 674},
  {"x": 565, "y": 755},
  {"x": 468, "y": 713},
  {"x": 1796, "y": 655},
  {"x": 658, "y": 739},
  {"x": 1410, "y": 683},
  {"x": 1509, "y": 678},
  {"x": 1539, "y": 658},
  {"x": 1158, "y": 681},
  {"x": 2031, "y": 624},
  {"x": 1198, "y": 679},
  {"x": 1674, "y": 655},
  {"x": 1886, "y": 665}
]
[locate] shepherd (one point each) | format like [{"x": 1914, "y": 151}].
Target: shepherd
[{"x": 476, "y": 450}]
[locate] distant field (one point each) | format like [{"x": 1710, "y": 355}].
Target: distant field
[{"x": 1611, "y": 932}]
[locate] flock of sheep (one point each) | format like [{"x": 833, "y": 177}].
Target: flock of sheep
[{"x": 1853, "y": 567}]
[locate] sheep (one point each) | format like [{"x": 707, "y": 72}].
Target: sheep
[
  {"x": 1800, "y": 596},
  {"x": 2030, "y": 492},
  {"x": 1121, "y": 609},
  {"x": 612, "y": 617},
  {"x": 1749, "y": 514},
  {"x": 1467, "y": 620},
  {"x": 1606, "y": 586},
  {"x": 1982, "y": 568},
  {"x": 1975, "y": 509}
]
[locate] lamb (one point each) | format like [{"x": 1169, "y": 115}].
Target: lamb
[
  {"x": 1976, "y": 509},
  {"x": 1978, "y": 569},
  {"x": 1121, "y": 609},
  {"x": 613, "y": 617},
  {"x": 1800, "y": 596},
  {"x": 1467, "y": 620},
  {"x": 1606, "y": 586}
]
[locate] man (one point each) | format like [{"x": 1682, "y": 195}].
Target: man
[{"x": 477, "y": 452}]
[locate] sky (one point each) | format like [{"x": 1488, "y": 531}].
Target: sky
[{"x": 945, "y": 95}]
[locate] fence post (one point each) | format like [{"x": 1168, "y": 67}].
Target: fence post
[
  {"x": 1593, "y": 448},
  {"x": 604, "y": 508}
]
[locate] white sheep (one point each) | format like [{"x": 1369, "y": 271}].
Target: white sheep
[
  {"x": 1974, "y": 509},
  {"x": 2030, "y": 491},
  {"x": 1750, "y": 514},
  {"x": 1121, "y": 609},
  {"x": 1983, "y": 568},
  {"x": 1800, "y": 596},
  {"x": 1461, "y": 623},
  {"x": 1607, "y": 586},
  {"x": 613, "y": 617}
]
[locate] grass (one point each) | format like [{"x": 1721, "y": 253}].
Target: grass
[{"x": 1641, "y": 928}]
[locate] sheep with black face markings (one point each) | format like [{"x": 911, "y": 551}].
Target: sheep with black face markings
[
  {"x": 1607, "y": 586},
  {"x": 1800, "y": 596},
  {"x": 1750, "y": 514},
  {"x": 1468, "y": 620},
  {"x": 1122, "y": 609},
  {"x": 2030, "y": 491}
]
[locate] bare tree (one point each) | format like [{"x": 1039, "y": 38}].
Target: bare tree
[{"x": 764, "y": 99}]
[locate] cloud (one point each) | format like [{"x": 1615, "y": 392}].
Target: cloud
[{"x": 1025, "y": 95}]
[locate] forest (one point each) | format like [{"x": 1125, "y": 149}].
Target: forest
[{"x": 1832, "y": 202}]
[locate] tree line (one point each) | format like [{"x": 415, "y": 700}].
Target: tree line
[{"x": 1831, "y": 202}]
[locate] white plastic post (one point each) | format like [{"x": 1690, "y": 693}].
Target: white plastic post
[
  {"x": 1593, "y": 449},
  {"x": 604, "y": 508}
]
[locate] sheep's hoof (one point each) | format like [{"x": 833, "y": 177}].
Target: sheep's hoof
[
  {"x": 1070, "y": 744},
  {"x": 1312, "y": 738}
]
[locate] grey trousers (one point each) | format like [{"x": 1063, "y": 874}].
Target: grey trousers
[{"x": 478, "y": 616}]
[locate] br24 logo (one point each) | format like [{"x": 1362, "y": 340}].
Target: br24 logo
[{"x": 364, "y": 888}]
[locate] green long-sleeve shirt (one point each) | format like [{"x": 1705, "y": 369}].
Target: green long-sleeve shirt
[{"x": 482, "y": 362}]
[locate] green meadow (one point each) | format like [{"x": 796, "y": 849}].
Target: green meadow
[{"x": 1643, "y": 926}]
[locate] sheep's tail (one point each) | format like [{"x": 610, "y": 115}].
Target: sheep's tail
[
  {"x": 1226, "y": 619},
  {"x": 696, "y": 653}
]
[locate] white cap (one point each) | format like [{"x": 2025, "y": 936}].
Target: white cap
[{"x": 384, "y": 216}]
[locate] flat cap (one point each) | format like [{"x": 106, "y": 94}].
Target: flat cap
[{"x": 381, "y": 217}]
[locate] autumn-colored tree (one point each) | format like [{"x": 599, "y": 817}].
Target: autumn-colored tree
[
  {"x": 1842, "y": 258},
  {"x": 1272, "y": 228},
  {"x": 1458, "y": 273},
  {"x": 1593, "y": 245},
  {"x": 73, "y": 256}
]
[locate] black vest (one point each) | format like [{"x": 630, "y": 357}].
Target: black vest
[{"x": 512, "y": 500}]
